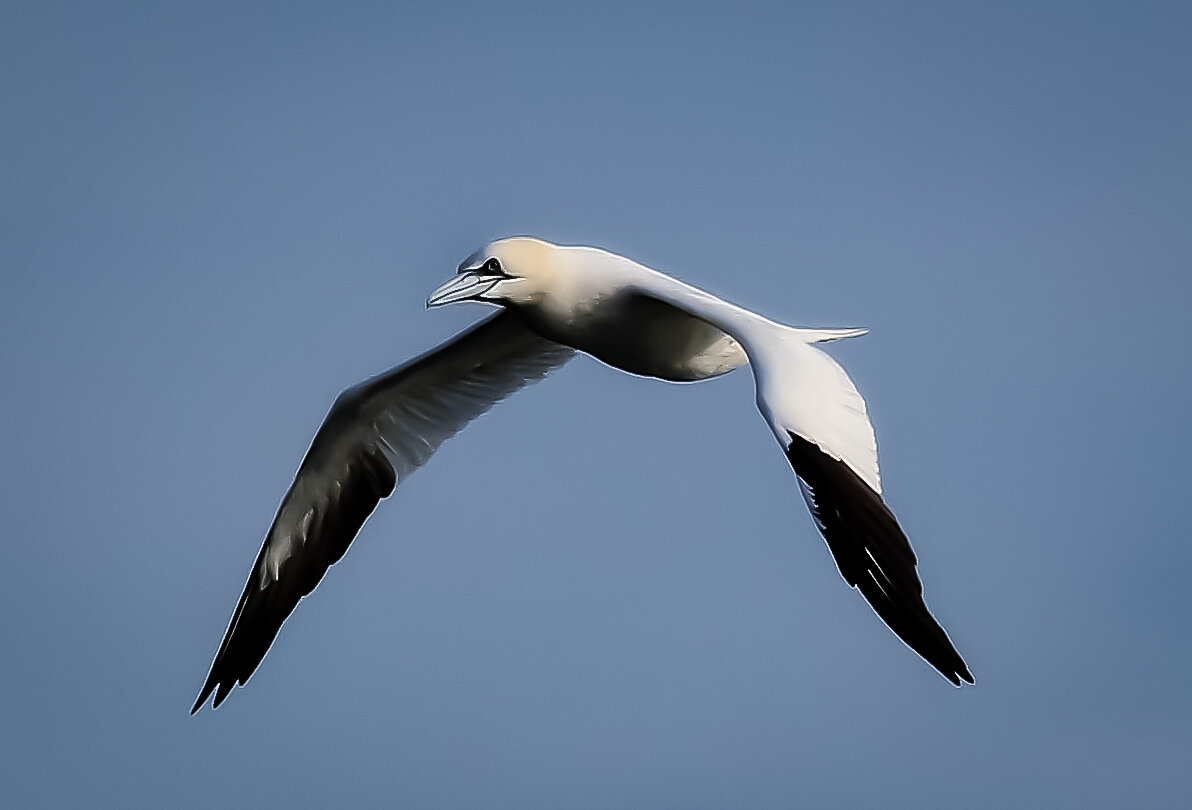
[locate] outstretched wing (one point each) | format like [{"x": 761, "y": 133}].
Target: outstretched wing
[
  {"x": 821, "y": 421},
  {"x": 375, "y": 435}
]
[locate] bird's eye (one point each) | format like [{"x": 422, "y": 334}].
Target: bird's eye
[{"x": 492, "y": 266}]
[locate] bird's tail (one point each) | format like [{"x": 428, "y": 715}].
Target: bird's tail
[{"x": 824, "y": 335}]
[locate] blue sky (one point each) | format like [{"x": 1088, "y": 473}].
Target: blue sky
[{"x": 607, "y": 592}]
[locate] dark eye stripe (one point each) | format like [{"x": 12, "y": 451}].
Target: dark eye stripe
[{"x": 493, "y": 267}]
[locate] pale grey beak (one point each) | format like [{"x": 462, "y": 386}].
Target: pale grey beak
[{"x": 467, "y": 286}]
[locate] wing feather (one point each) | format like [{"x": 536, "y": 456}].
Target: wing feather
[
  {"x": 375, "y": 435},
  {"x": 822, "y": 423},
  {"x": 872, "y": 553}
]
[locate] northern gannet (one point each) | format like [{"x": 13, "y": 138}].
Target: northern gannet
[{"x": 554, "y": 301}]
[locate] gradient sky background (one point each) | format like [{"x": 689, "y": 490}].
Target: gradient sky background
[{"x": 607, "y": 592}]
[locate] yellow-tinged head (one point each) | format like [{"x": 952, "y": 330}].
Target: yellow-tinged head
[{"x": 519, "y": 270}]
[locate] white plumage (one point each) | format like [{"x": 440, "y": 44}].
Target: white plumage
[{"x": 556, "y": 300}]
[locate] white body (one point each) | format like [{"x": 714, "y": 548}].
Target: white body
[{"x": 645, "y": 322}]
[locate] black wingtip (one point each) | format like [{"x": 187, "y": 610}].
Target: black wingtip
[
  {"x": 221, "y": 690},
  {"x": 263, "y": 609},
  {"x": 199, "y": 703},
  {"x": 221, "y": 694},
  {"x": 960, "y": 677},
  {"x": 208, "y": 688},
  {"x": 873, "y": 554}
]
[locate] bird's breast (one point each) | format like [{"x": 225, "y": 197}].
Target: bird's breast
[{"x": 634, "y": 332}]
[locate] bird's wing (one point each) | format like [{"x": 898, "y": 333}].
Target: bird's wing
[
  {"x": 375, "y": 435},
  {"x": 822, "y": 423}
]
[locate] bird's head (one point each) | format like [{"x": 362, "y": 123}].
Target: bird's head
[{"x": 517, "y": 271}]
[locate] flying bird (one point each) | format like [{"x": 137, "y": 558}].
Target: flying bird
[{"x": 554, "y": 301}]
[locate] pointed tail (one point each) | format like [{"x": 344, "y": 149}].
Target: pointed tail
[{"x": 824, "y": 335}]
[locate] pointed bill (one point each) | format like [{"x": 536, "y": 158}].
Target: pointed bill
[{"x": 468, "y": 286}]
